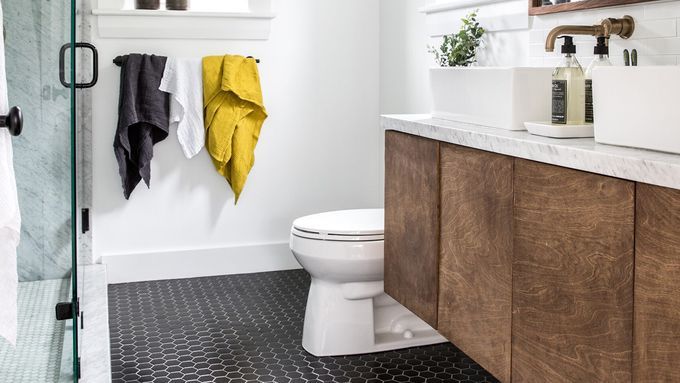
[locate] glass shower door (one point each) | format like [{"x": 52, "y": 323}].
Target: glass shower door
[{"x": 44, "y": 164}]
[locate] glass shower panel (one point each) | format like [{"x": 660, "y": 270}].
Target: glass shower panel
[{"x": 35, "y": 30}]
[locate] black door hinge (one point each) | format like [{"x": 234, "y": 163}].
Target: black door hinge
[
  {"x": 78, "y": 368},
  {"x": 65, "y": 310},
  {"x": 85, "y": 220}
]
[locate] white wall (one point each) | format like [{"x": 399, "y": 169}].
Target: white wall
[
  {"x": 317, "y": 150},
  {"x": 404, "y": 61},
  {"x": 328, "y": 70},
  {"x": 403, "y": 55}
]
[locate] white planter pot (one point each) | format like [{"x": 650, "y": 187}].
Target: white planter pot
[
  {"x": 638, "y": 107},
  {"x": 500, "y": 97}
]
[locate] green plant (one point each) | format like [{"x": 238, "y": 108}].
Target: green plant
[{"x": 460, "y": 49}]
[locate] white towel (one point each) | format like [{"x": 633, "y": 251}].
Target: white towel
[
  {"x": 10, "y": 219},
  {"x": 183, "y": 79}
]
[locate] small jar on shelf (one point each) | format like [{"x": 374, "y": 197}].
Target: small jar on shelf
[
  {"x": 147, "y": 4},
  {"x": 177, "y": 5}
]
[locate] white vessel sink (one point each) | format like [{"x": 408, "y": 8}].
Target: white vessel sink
[
  {"x": 500, "y": 97},
  {"x": 638, "y": 107}
]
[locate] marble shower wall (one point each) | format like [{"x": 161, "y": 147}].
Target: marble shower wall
[{"x": 35, "y": 30}]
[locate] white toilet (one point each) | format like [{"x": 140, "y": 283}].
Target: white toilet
[{"x": 347, "y": 310}]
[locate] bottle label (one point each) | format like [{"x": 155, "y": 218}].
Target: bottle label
[
  {"x": 589, "y": 101},
  {"x": 559, "y": 101}
]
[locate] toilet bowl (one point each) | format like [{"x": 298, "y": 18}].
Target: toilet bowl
[{"x": 347, "y": 310}]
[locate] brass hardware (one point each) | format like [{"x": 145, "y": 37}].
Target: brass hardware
[{"x": 622, "y": 27}]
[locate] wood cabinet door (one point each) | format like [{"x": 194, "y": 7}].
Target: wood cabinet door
[
  {"x": 475, "y": 280},
  {"x": 572, "y": 276},
  {"x": 657, "y": 285},
  {"x": 412, "y": 222}
]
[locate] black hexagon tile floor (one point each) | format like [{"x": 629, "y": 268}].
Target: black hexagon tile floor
[{"x": 247, "y": 328}]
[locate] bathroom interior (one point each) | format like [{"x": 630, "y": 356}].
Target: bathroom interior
[{"x": 339, "y": 191}]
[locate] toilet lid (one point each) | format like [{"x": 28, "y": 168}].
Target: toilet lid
[{"x": 351, "y": 225}]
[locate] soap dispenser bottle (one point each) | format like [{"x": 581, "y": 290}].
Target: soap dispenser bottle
[
  {"x": 601, "y": 52},
  {"x": 568, "y": 88}
]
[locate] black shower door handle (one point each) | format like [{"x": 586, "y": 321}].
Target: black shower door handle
[{"x": 62, "y": 65}]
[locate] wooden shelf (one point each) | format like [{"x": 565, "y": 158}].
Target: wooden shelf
[{"x": 535, "y": 7}]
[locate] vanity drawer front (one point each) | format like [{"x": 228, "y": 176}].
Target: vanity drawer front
[
  {"x": 572, "y": 276},
  {"x": 657, "y": 285},
  {"x": 412, "y": 222},
  {"x": 475, "y": 272}
]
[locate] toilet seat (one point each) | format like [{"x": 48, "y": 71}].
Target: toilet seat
[
  {"x": 360, "y": 225},
  {"x": 318, "y": 236}
]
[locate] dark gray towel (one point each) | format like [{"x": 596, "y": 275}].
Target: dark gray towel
[{"x": 142, "y": 118}]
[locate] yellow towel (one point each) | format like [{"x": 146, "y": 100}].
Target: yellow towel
[{"x": 234, "y": 114}]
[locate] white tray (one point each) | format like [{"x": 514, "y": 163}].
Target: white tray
[{"x": 548, "y": 129}]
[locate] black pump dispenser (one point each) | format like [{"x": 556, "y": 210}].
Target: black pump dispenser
[
  {"x": 568, "y": 46},
  {"x": 602, "y": 48}
]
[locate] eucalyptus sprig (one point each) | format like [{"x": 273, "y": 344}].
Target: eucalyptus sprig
[{"x": 460, "y": 49}]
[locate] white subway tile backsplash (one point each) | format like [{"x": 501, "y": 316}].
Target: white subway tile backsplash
[
  {"x": 662, "y": 10},
  {"x": 594, "y": 16},
  {"x": 552, "y": 61},
  {"x": 585, "y": 49},
  {"x": 648, "y": 47},
  {"x": 538, "y": 50},
  {"x": 658, "y": 60},
  {"x": 646, "y": 60},
  {"x": 537, "y": 36},
  {"x": 645, "y": 29},
  {"x": 536, "y": 62},
  {"x": 544, "y": 22}
]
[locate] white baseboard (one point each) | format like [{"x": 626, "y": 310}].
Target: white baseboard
[{"x": 124, "y": 268}]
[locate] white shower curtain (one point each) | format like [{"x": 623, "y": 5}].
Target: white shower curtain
[{"x": 10, "y": 219}]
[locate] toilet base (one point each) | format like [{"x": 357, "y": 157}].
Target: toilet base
[{"x": 359, "y": 318}]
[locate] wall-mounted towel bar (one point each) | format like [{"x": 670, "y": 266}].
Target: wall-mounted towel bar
[
  {"x": 119, "y": 60},
  {"x": 13, "y": 121}
]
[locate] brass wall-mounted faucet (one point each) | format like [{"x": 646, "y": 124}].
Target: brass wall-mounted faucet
[{"x": 622, "y": 27}]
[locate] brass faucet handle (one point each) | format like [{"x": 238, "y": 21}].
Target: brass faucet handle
[{"x": 623, "y": 27}]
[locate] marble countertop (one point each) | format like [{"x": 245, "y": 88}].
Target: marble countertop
[{"x": 656, "y": 168}]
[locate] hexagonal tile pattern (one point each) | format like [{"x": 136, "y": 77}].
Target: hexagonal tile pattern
[{"x": 248, "y": 328}]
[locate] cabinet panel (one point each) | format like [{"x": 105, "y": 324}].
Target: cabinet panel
[
  {"x": 657, "y": 285},
  {"x": 412, "y": 222},
  {"x": 572, "y": 276},
  {"x": 475, "y": 281}
]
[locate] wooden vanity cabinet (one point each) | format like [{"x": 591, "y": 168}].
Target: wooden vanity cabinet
[
  {"x": 412, "y": 223},
  {"x": 475, "y": 269},
  {"x": 572, "y": 276},
  {"x": 657, "y": 285},
  {"x": 537, "y": 272}
]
